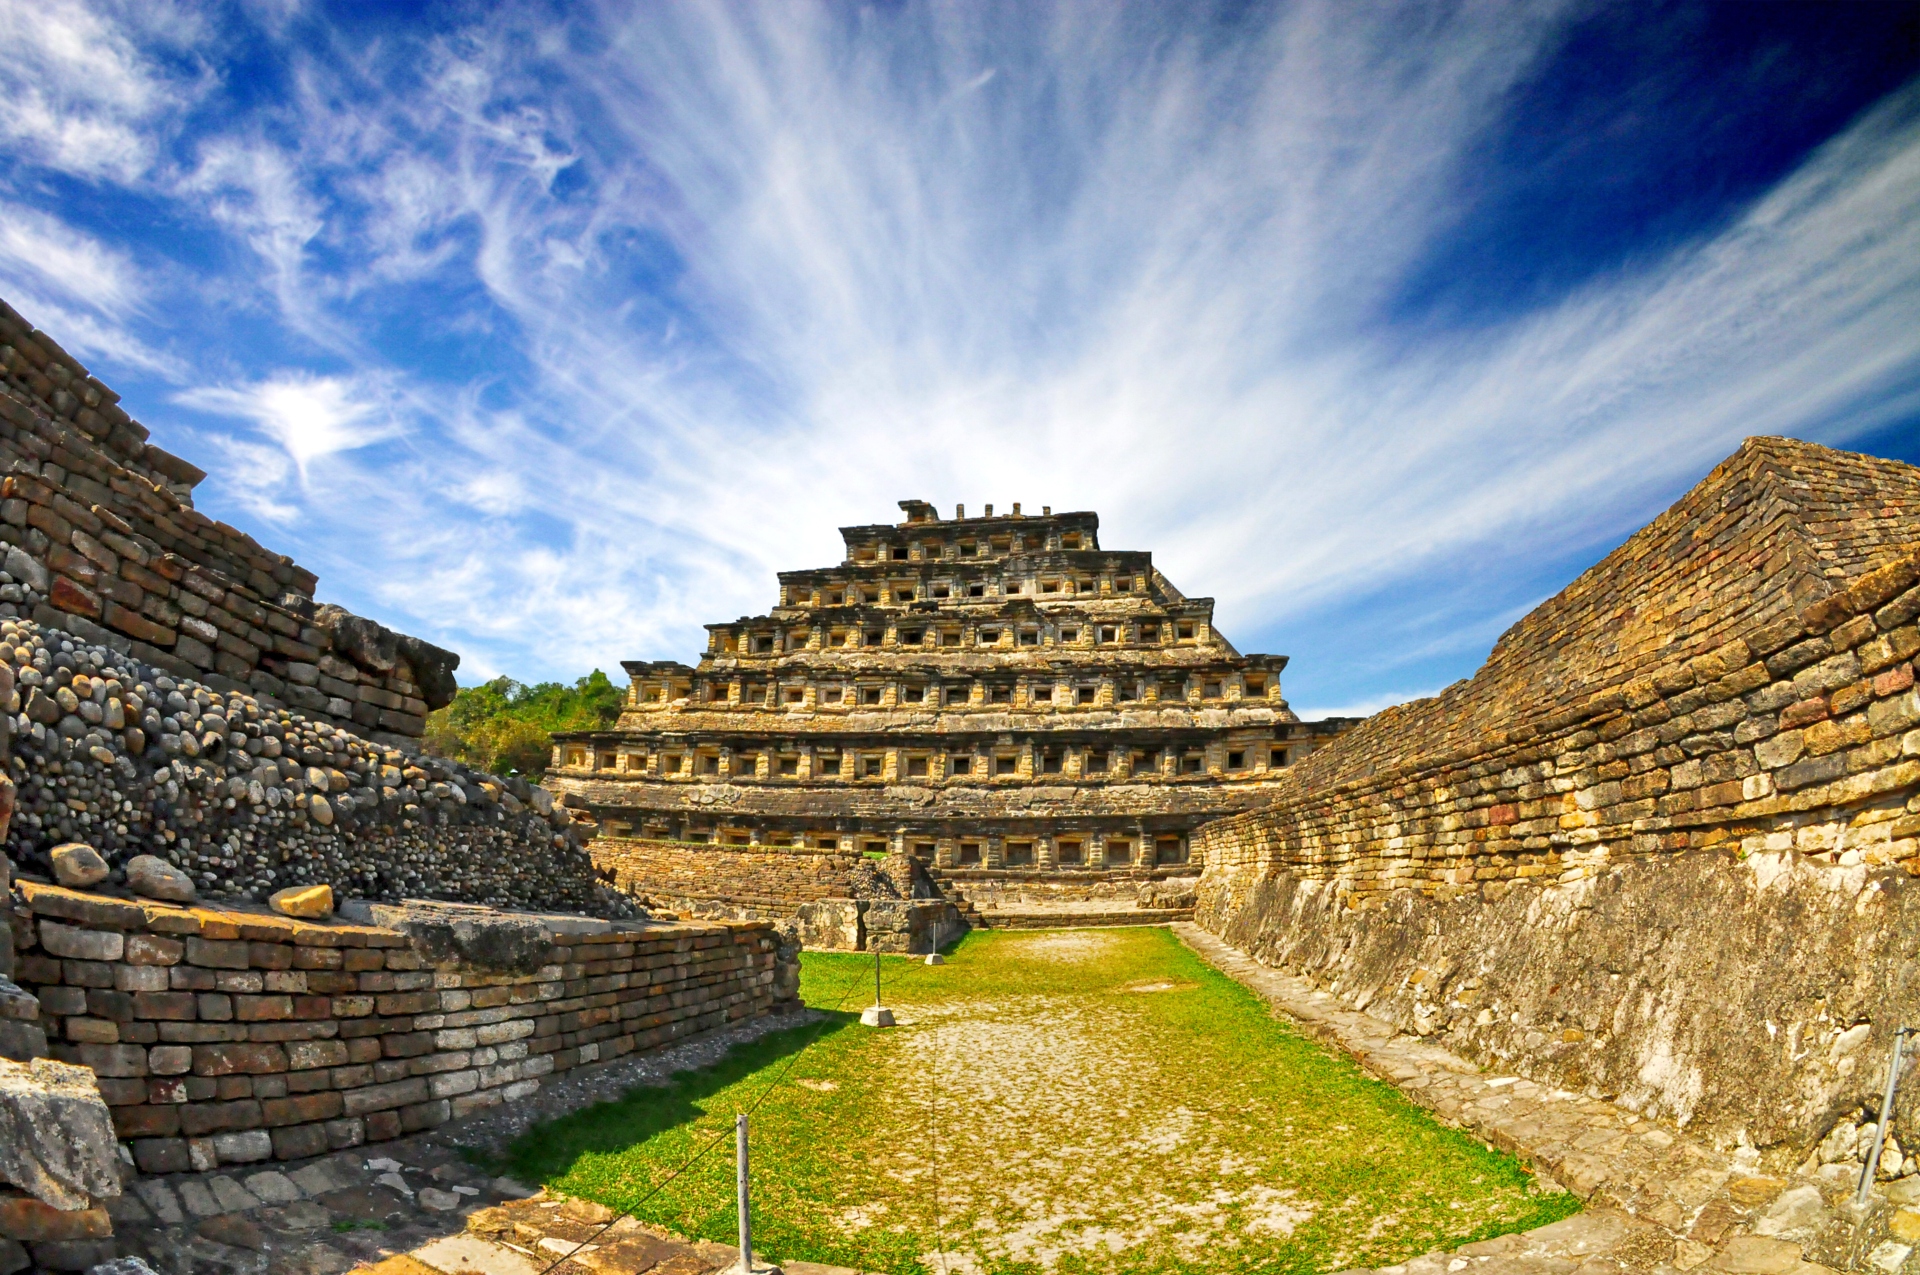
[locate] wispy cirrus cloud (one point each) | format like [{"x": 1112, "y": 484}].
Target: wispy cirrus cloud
[
  {"x": 602, "y": 316},
  {"x": 308, "y": 418},
  {"x": 89, "y": 89}
]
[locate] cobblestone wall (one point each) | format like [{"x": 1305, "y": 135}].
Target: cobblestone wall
[
  {"x": 247, "y": 799},
  {"x": 231, "y": 1035},
  {"x": 1661, "y": 846},
  {"x": 100, "y": 537}
]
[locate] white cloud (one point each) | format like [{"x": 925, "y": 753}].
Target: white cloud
[
  {"x": 309, "y": 417},
  {"x": 1359, "y": 708},
  {"x": 79, "y": 88},
  {"x": 1171, "y": 319},
  {"x": 54, "y": 254},
  {"x": 720, "y": 279}
]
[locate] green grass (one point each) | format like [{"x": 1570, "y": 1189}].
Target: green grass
[{"x": 1078, "y": 1101}]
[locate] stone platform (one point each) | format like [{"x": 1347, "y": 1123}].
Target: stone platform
[{"x": 1056, "y": 916}]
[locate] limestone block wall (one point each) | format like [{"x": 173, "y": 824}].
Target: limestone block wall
[
  {"x": 1005, "y": 889},
  {"x": 101, "y": 538},
  {"x": 1691, "y": 889},
  {"x": 233, "y": 1035},
  {"x": 708, "y": 880}
]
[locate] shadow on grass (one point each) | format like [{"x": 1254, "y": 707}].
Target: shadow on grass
[{"x": 549, "y": 1151}]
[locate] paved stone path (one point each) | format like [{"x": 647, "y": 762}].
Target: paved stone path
[{"x": 1656, "y": 1199}]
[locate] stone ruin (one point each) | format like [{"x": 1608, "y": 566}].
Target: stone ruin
[
  {"x": 102, "y": 540},
  {"x": 1026, "y": 725},
  {"x": 248, "y": 799},
  {"x": 187, "y": 736},
  {"x": 1661, "y": 849},
  {"x": 1656, "y": 857}
]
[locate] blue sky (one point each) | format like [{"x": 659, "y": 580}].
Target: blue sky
[{"x": 550, "y": 332}]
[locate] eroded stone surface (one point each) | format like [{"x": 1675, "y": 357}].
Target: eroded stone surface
[
  {"x": 152, "y": 877},
  {"x": 1655, "y": 1197},
  {"x": 56, "y": 1137},
  {"x": 77, "y": 864}
]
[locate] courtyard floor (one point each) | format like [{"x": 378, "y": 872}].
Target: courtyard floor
[{"x": 1076, "y": 1101}]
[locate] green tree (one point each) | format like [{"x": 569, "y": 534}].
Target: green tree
[{"x": 506, "y": 726}]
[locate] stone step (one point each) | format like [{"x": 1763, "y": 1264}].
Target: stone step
[{"x": 1040, "y": 919}]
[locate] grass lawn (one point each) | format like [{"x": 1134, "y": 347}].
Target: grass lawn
[{"x": 1073, "y": 1101}]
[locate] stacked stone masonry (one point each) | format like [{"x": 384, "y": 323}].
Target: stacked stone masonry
[
  {"x": 101, "y": 538},
  {"x": 988, "y": 692},
  {"x": 719, "y": 880},
  {"x": 1661, "y": 847},
  {"x": 232, "y": 1036}
]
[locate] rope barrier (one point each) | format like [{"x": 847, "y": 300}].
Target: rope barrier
[{"x": 720, "y": 1137}]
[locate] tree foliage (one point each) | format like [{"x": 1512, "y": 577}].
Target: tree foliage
[{"x": 506, "y": 726}]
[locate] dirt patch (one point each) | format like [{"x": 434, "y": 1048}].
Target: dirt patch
[{"x": 1071, "y": 946}]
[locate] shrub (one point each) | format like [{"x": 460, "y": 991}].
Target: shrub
[{"x": 506, "y": 726}]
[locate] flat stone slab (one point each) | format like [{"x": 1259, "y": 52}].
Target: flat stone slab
[{"x": 469, "y": 1253}]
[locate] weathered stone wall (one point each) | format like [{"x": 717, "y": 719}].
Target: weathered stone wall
[
  {"x": 840, "y": 901},
  {"x": 1006, "y": 889},
  {"x": 1661, "y": 846},
  {"x": 101, "y": 538},
  {"x": 232, "y": 1035},
  {"x": 707, "y": 880}
]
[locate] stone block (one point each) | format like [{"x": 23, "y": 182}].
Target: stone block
[
  {"x": 298, "y": 1142},
  {"x": 228, "y": 954},
  {"x": 239, "y": 1058},
  {"x": 170, "y": 1060},
  {"x": 153, "y": 949},
  {"x": 202, "y": 1119},
  {"x": 92, "y": 1031},
  {"x": 139, "y": 978},
  {"x": 112, "y": 1060},
  {"x": 258, "y": 1009},
  {"x": 308, "y": 1108},
  {"x": 165, "y": 1006},
  {"x": 81, "y": 944},
  {"x": 22, "y": 1217},
  {"x": 425, "y": 1115},
  {"x": 161, "y": 1155},
  {"x": 147, "y": 1120},
  {"x": 242, "y": 1146},
  {"x": 57, "y": 1139}
]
